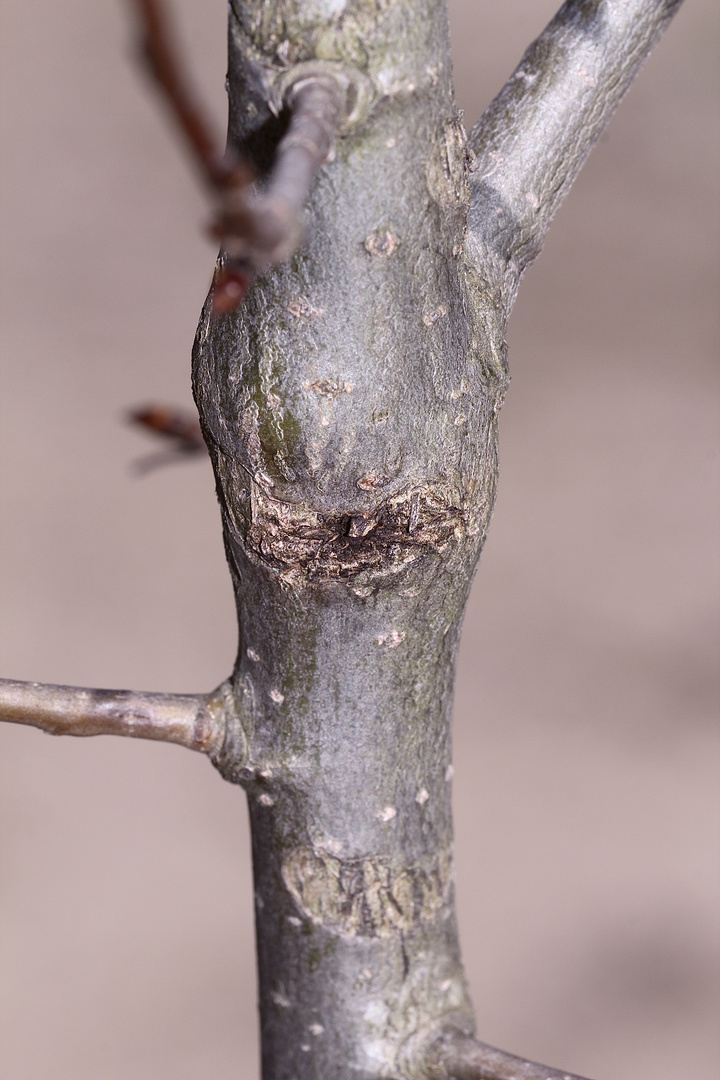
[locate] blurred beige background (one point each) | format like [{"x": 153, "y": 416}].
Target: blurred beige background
[{"x": 586, "y": 790}]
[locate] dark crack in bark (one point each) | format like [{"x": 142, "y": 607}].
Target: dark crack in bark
[{"x": 322, "y": 547}]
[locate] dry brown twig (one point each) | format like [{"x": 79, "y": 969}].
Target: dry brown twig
[
  {"x": 178, "y": 428},
  {"x": 193, "y": 720},
  {"x": 256, "y": 228}
]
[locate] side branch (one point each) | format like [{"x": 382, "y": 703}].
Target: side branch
[
  {"x": 162, "y": 58},
  {"x": 460, "y": 1057},
  {"x": 256, "y": 228},
  {"x": 197, "y": 721},
  {"x": 532, "y": 140}
]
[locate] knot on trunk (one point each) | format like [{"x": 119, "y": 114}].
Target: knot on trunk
[{"x": 301, "y": 544}]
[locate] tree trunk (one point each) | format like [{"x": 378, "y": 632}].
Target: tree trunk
[{"x": 350, "y": 409}]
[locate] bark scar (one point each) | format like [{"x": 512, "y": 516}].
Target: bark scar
[
  {"x": 365, "y": 897},
  {"x": 303, "y": 544}
]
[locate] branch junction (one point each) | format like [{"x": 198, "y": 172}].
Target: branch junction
[{"x": 197, "y": 721}]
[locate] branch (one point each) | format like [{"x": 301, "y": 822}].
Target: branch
[
  {"x": 179, "y": 428},
  {"x": 198, "y": 721},
  {"x": 460, "y": 1057},
  {"x": 256, "y": 229},
  {"x": 261, "y": 229},
  {"x": 532, "y": 140},
  {"x": 160, "y": 54}
]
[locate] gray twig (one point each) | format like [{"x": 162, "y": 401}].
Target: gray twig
[
  {"x": 256, "y": 229},
  {"x": 197, "y": 721},
  {"x": 535, "y": 135},
  {"x": 460, "y": 1057}
]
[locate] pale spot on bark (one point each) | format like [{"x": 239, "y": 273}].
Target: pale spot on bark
[
  {"x": 449, "y": 773},
  {"x": 266, "y": 800},
  {"x": 390, "y": 143},
  {"x": 294, "y": 921},
  {"x": 329, "y": 388},
  {"x": 376, "y": 1012},
  {"x": 422, "y": 796},
  {"x": 252, "y": 655},
  {"x": 367, "y": 483},
  {"x": 392, "y": 640},
  {"x": 277, "y": 697},
  {"x": 460, "y": 420},
  {"x": 301, "y": 309},
  {"x": 414, "y": 515},
  {"x": 433, "y": 316},
  {"x": 445, "y": 985},
  {"x": 532, "y": 198},
  {"x": 316, "y": 1029},
  {"x": 382, "y": 243},
  {"x": 280, "y": 999},
  {"x": 387, "y": 813}
]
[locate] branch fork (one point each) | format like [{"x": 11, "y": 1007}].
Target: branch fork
[{"x": 456, "y": 1056}]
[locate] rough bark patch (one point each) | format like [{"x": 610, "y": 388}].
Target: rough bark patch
[
  {"x": 301, "y": 543},
  {"x": 364, "y": 897}
]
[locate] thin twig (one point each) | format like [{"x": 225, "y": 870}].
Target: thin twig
[
  {"x": 262, "y": 229},
  {"x": 161, "y": 56},
  {"x": 256, "y": 229},
  {"x": 197, "y": 721},
  {"x": 178, "y": 426},
  {"x": 460, "y": 1057}
]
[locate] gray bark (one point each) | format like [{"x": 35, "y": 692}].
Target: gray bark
[{"x": 350, "y": 409}]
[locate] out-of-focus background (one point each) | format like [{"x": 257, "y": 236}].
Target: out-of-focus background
[{"x": 586, "y": 719}]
